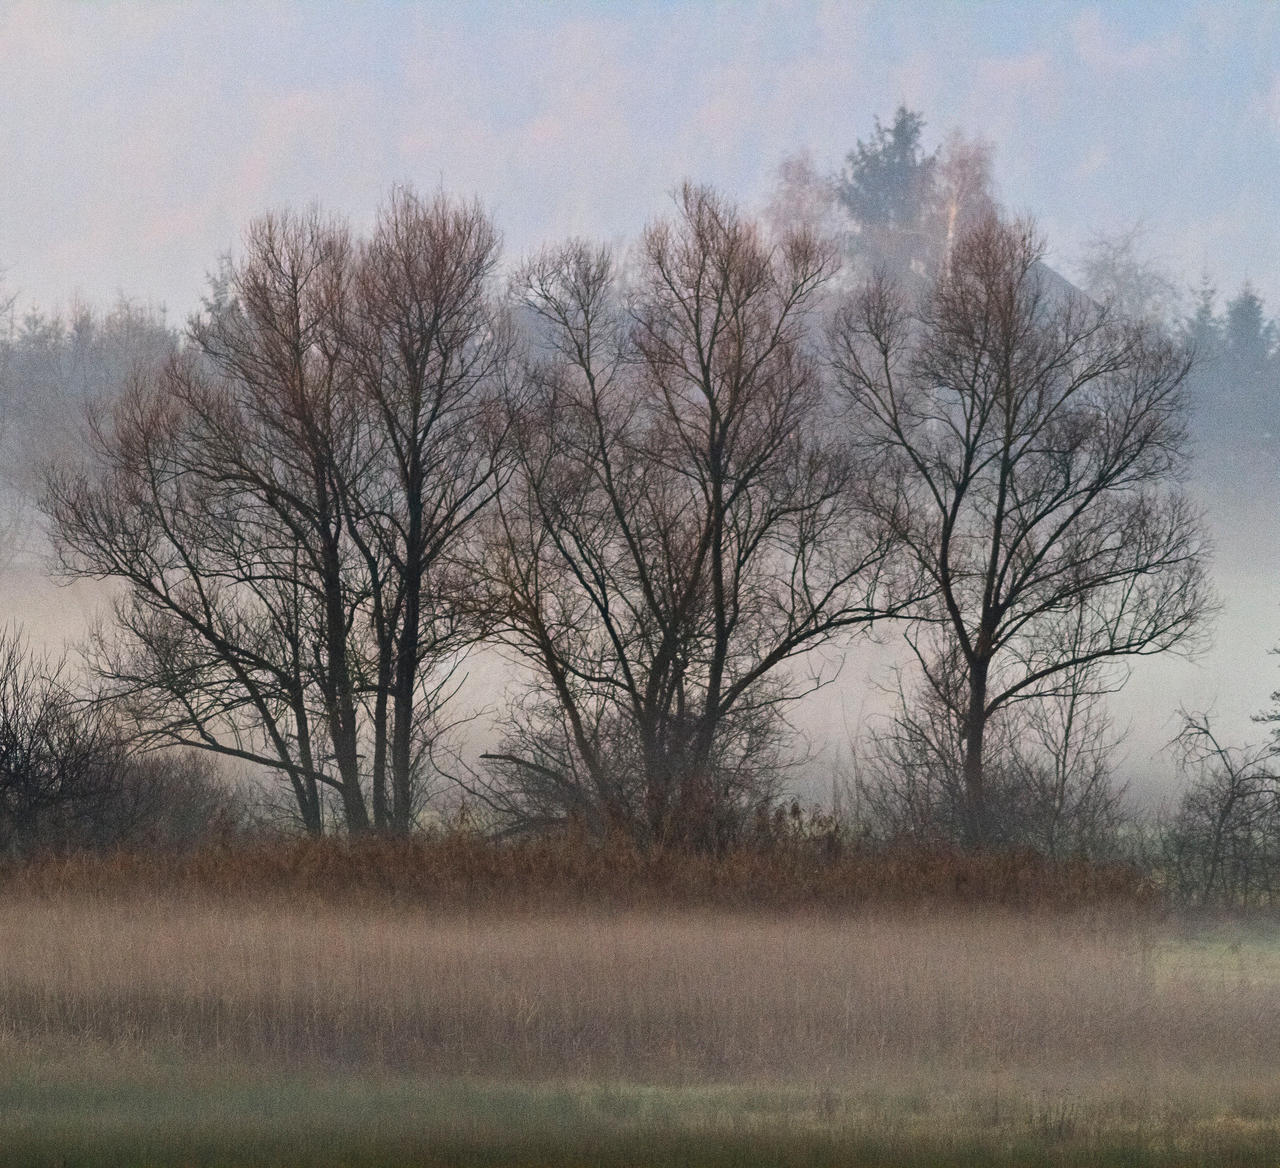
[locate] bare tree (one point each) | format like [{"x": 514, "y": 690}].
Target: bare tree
[
  {"x": 1062, "y": 763},
  {"x": 1029, "y": 446},
  {"x": 1116, "y": 271},
  {"x": 907, "y": 773},
  {"x": 963, "y": 195},
  {"x": 804, "y": 199},
  {"x": 431, "y": 352},
  {"x": 64, "y": 766},
  {"x": 274, "y": 439},
  {"x": 1223, "y": 844},
  {"x": 1049, "y": 771},
  {"x": 285, "y": 501},
  {"x": 213, "y": 498},
  {"x": 683, "y": 525}
]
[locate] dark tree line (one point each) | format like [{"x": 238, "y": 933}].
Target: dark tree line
[
  {"x": 1236, "y": 384},
  {"x": 1221, "y": 843},
  {"x": 53, "y": 365}
]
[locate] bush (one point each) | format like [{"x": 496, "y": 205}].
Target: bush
[{"x": 69, "y": 778}]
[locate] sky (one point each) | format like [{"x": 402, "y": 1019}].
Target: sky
[{"x": 139, "y": 139}]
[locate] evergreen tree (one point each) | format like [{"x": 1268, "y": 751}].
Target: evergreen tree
[
  {"x": 1249, "y": 335},
  {"x": 1202, "y": 332},
  {"x": 888, "y": 181},
  {"x": 1203, "y": 328}
]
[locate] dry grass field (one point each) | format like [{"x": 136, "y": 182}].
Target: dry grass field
[{"x": 239, "y": 1022}]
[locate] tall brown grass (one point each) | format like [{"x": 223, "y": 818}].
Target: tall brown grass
[
  {"x": 464, "y": 869},
  {"x": 561, "y": 956},
  {"x": 905, "y": 994},
  {"x": 616, "y": 994}
]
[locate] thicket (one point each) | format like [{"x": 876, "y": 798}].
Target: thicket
[{"x": 795, "y": 862}]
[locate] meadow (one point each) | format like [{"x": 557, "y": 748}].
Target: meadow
[{"x": 268, "y": 1008}]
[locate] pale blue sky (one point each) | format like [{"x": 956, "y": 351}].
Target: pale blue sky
[{"x": 138, "y": 138}]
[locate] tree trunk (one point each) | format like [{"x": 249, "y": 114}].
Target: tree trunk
[
  {"x": 338, "y": 688},
  {"x": 406, "y": 674},
  {"x": 380, "y": 809},
  {"x": 977, "y": 827},
  {"x": 341, "y": 711},
  {"x": 305, "y": 787}
]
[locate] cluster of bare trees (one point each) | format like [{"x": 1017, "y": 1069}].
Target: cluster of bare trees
[
  {"x": 289, "y": 503},
  {"x": 59, "y": 766},
  {"x": 1220, "y": 845},
  {"x": 1048, "y": 775},
  {"x": 659, "y": 485}
]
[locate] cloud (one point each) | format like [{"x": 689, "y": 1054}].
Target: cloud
[
  {"x": 1026, "y": 71},
  {"x": 1271, "y": 103},
  {"x": 1100, "y": 47}
]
